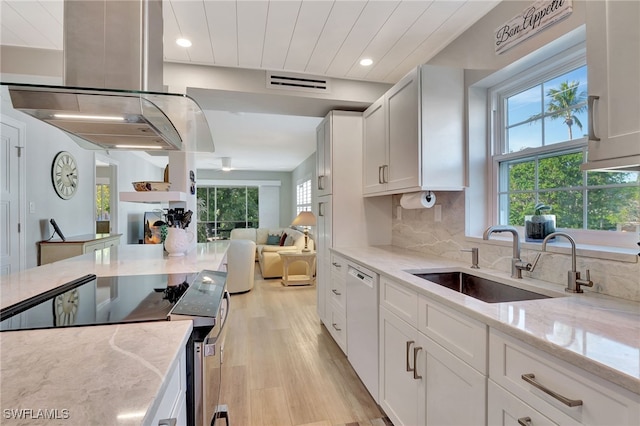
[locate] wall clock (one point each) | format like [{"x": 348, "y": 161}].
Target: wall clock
[
  {"x": 64, "y": 175},
  {"x": 65, "y": 307}
]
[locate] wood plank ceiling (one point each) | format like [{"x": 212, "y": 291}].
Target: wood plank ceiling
[{"x": 318, "y": 37}]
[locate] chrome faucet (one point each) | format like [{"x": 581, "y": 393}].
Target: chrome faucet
[
  {"x": 517, "y": 265},
  {"x": 573, "y": 279}
]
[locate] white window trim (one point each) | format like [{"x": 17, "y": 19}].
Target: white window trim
[{"x": 600, "y": 244}]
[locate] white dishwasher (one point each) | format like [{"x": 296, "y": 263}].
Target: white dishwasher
[{"x": 362, "y": 325}]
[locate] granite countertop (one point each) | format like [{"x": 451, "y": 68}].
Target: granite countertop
[
  {"x": 108, "y": 374},
  {"x": 88, "y": 375},
  {"x": 597, "y": 333}
]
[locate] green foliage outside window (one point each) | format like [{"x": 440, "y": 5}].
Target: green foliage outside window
[
  {"x": 221, "y": 209},
  {"x": 611, "y": 200},
  {"x": 103, "y": 195}
]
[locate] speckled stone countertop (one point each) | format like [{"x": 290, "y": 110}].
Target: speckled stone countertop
[
  {"x": 107, "y": 375},
  {"x": 599, "y": 334}
]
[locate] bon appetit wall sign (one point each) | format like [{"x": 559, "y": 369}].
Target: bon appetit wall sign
[{"x": 535, "y": 18}]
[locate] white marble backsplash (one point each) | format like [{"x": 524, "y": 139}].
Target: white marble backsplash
[{"x": 416, "y": 229}]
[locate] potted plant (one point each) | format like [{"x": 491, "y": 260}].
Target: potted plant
[{"x": 540, "y": 224}]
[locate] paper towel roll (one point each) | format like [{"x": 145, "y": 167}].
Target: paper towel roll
[{"x": 418, "y": 200}]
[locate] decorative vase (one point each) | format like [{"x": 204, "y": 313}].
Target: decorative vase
[
  {"x": 178, "y": 241},
  {"x": 537, "y": 227}
]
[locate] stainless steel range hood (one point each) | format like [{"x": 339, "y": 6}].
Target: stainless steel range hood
[{"x": 112, "y": 96}]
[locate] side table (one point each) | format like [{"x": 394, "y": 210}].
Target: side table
[{"x": 309, "y": 257}]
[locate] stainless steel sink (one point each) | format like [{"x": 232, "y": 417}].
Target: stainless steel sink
[{"x": 480, "y": 288}]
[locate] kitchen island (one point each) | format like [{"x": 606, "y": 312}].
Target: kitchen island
[{"x": 99, "y": 375}]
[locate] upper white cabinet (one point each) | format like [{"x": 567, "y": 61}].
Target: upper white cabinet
[
  {"x": 613, "y": 58},
  {"x": 413, "y": 135}
]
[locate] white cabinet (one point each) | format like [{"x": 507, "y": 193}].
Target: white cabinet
[
  {"x": 398, "y": 395},
  {"x": 171, "y": 403},
  {"x": 52, "y": 251},
  {"x": 613, "y": 58},
  {"x": 336, "y": 294},
  {"x": 413, "y": 135},
  {"x": 504, "y": 409},
  {"x": 453, "y": 392},
  {"x": 422, "y": 381},
  {"x": 341, "y": 219},
  {"x": 557, "y": 390}
]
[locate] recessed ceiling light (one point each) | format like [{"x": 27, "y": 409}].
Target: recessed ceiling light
[
  {"x": 183, "y": 42},
  {"x": 366, "y": 62}
]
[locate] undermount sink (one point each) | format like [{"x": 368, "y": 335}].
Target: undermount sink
[{"x": 480, "y": 288}]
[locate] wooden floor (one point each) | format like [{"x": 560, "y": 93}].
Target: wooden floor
[{"x": 281, "y": 366}]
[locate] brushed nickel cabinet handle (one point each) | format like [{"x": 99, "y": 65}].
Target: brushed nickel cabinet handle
[
  {"x": 531, "y": 379},
  {"x": 415, "y": 360},
  {"x": 320, "y": 180},
  {"x": 336, "y": 328},
  {"x": 337, "y": 265},
  {"x": 385, "y": 176},
  {"x": 320, "y": 209},
  {"x": 525, "y": 421},
  {"x": 591, "y": 101},
  {"x": 336, "y": 292},
  {"x": 409, "y": 343},
  {"x": 380, "y": 181}
]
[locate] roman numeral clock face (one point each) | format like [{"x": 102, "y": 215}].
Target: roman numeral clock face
[{"x": 64, "y": 175}]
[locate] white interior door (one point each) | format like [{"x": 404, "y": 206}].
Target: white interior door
[{"x": 10, "y": 215}]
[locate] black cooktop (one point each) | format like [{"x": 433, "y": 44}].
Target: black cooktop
[{"x": 92, "y": 300}]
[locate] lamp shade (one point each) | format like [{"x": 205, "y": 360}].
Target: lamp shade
[{"x": 304, "y": 219}]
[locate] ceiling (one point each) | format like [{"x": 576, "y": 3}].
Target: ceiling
[{"x": 318, "y": 37}]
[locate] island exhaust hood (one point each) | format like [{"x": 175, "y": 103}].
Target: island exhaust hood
[{"x": 113, "y": 95}]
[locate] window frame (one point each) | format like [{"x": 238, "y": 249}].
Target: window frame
[
  {"x": 304, "y": 206},
  {"x": 569, "y": 60}
]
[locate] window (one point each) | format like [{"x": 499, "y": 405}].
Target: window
[
  {"x": 102, "y": 201},
  {"x": 540, "y": 143},
  {"x": 221, "y": 209},
  {"x": 303, "y": 196}
]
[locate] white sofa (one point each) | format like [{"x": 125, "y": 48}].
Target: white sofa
[{"x": 267, "y": 254}]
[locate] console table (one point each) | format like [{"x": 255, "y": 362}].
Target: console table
[
  {"x": 54, "y": 250},
  {"x": 309, "y": 257}
]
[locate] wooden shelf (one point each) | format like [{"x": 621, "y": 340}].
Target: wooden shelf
[{"x": 153, "y": 196}]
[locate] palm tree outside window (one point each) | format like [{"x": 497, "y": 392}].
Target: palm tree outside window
[{"x": 540, "y": 143}]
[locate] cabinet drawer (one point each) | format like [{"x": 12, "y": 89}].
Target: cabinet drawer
[
  {"x": 338, "y": 292},
  {"x": 400, "y": 300},
  {"x": 601, "y": 402},
  {"x": 461, "y": 335},
  {"x": 338, "y": 266},
  {"x": 337, "y": 326},
  {"x": 505, "y": 409}
]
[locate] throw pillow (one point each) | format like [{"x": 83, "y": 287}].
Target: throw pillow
[
  {"x": 273, "y": 239},
  {"x": 283, "y": 238}
]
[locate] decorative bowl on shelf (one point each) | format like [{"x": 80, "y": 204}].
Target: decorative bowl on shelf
[{"x": 143, "y": 186}]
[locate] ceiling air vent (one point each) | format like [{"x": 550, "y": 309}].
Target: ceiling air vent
[{"x": 300, "y": 82}]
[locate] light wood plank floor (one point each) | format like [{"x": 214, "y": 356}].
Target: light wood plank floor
[{"x": 281, "y": 366}]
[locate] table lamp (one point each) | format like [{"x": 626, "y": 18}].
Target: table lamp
[{"x": 305, "y": 219}]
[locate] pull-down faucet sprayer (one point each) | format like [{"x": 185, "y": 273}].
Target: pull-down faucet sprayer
[{"x": 517, "y": 265}]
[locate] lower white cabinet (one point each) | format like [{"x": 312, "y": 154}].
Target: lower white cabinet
[
  {"x": 398, "y": 393},
  {"x": 172, "y": 402},
  {"x": 504, "y": 409},
  {"x": 453, "y": 392},
  {"x": 558, "y": 390},
  {"x": 421, "y": 381}
]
